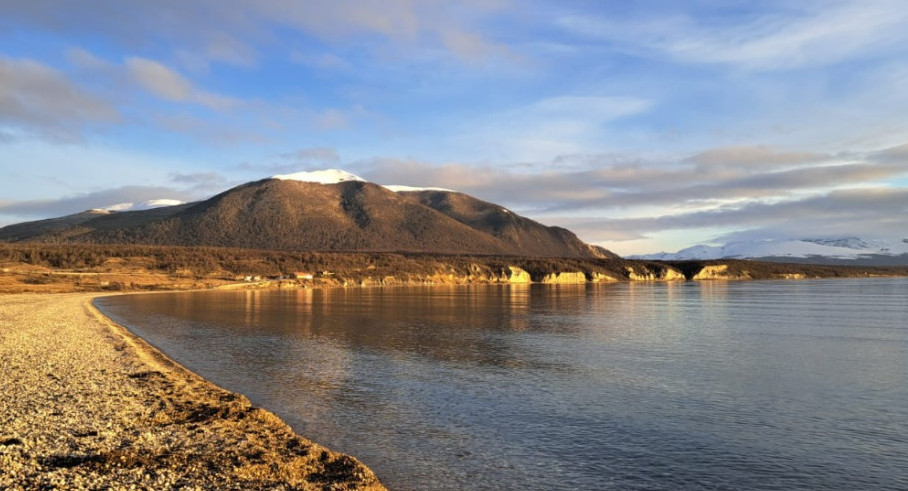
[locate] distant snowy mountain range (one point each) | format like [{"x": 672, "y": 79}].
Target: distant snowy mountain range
[{"x": 835, "y": 251}]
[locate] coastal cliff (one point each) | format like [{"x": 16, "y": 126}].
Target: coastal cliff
[
  {"x": 716, "y": 272},
  {"x": 68, "y": 268},
  {"x": 482, "y": 274},
  {"x": 654, "y": 274},
  {"x": 645, "y": 272}
]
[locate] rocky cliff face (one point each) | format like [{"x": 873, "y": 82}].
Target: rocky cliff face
[
  {"x": 514, "y": 275},
  {"x": 645, "y": 273},
  {"x": 566, "y": 278},
  {"x": 741, "y": 272},
  {"x": 715, "y": 272},
  {"x": 596, "y": 277},
  {"x": 518, "y": 276}
]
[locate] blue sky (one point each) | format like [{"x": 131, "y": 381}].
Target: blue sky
[{"x": 642, "y": 126}]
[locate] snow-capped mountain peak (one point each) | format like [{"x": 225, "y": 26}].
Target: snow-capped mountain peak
[
  {"x": 326, "y": 176},
  {"x": 847, "y": 248},
  {"x": 335, "y": 176}
]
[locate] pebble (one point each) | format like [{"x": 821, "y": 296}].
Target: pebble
[{"x": 77, "y": 412}]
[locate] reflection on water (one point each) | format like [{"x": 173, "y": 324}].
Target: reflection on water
[{"x": 759, "y": 385}]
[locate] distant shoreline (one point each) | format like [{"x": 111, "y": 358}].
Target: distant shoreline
[
  {"x": 87, "y": 404},
  {"x": 61, "y": 268}
]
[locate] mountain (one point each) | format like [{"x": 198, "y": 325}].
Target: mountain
[
  {"x": 320, "y": 211},
  {"x": 836, "y": 251},
  {"x": 495, "y": 220},
  {"x": 26, "y": 230}
]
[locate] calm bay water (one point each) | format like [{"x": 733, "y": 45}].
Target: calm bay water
[{"x": 698, "y": 385}]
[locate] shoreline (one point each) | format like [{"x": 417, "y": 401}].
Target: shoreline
[
  {"x": 64, "y": 268},
  {"x": 87, "y": 404}
]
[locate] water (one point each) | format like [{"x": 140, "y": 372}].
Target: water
[{"x": 698, "y": 385}]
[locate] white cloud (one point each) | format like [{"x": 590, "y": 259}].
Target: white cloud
[
  {"x": 159, "y": 80},
  {"x": 754, "y": 155},
  {"x": 234, "y": 32},
  {"x": 170, "y": 85},
  {"x": 36, "y": 99},
  {"x": 873, "y": 211},
  {"x": 85, "y": 60},
  {"x": 826, "y": 33},
  {"x": 791, "y": 35},
  {"x": 552, "y": 126},
  {"x": 405, "y": 22},
  {"x": 112, "y": 199}
]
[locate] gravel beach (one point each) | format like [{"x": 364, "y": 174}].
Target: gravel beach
[{"x": 87, "y": 405}]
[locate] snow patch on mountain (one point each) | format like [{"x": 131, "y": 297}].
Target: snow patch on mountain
[
  {"x": 326, "y": 176},
  {"x": 335, "y": 176},
  {"x": 118, "y": 207},
  {"x": 410, "y": 189},
  {"x": 834, "y": 248},
  {"x": 145, "y": 205},
  {"x": 156, "y": 203}
]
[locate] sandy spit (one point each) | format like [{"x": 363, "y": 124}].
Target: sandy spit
[{"x": 87, "y": 405}]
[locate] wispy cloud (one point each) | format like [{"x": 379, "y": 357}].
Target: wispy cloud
[
  {"x": 871, "y": 212},
  {"x": 821, "y": 33},
  {"x": 40, "y": 101},
  {"x": 310, "y": 158},
  {"x": 551, "y": 126},
  {"x": 440, "y": 24},
  {"x": 99, "y": 199},
  {"x": 704, "y": 179},
  {"x": 236, "y": 32},
  {"x": 799, "y": 34},
  {"x": 199, "y": 184},
  {"x": 763, "y": 156},
  {"x": 171, "y": 86},
  {"x": 313, "y": 156}
]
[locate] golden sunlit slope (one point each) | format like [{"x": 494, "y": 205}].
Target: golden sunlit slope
[{"x": 345, "y": 216}]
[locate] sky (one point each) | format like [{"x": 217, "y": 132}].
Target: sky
[{"x": 642, "y": 126}]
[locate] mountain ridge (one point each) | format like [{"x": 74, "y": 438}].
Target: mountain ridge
[
  {"x": 830, "y": 250},
  {"x": 322, "y": 210}
]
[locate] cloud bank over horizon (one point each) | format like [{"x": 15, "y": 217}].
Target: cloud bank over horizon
[{"x": 642, "y": 127}]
